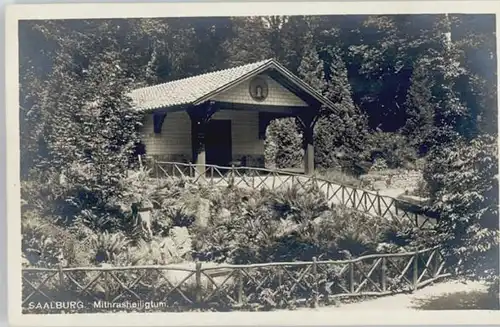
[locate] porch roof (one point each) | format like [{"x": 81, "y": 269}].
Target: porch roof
[{"x": 198, "y": 89}]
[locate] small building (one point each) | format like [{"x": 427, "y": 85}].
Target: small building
[{"x": 221, "y": 117}]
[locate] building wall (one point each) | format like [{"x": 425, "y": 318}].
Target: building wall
[
  {"x": 174, "y": 141},
  {"x": 278, "y": 95}
]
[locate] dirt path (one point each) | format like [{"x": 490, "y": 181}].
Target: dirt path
[{"x": 407, "y": 301}]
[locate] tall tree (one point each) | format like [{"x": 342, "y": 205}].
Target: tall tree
[
  {"x": 451, "y": 113},
  {"x": 341, "y": 137},
  {"x": 284, "y": 137},
  {"x": 249, "y": 41},
  {"x": 474, "y": 36},
  {"x": 311, "y": 69},
  {"x": 463, "y": 179},
  {"x": 91, "y": 132},
  {"x": 420, "y": 107}
]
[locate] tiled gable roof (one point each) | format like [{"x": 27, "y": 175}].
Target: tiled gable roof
[
  {"x": 191, "y": 89},
  {"x": 197, "y": 89}
]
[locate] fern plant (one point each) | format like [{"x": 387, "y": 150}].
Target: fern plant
[
  {"x": 139, "y": 190},
  {"x": 299, "y": 204},
  {"x": 107, "y": 246}
]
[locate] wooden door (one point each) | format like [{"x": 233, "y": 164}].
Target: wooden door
[{"x": 218, "y": 144}]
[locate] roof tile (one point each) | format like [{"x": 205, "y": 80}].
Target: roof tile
[{"x": 188, "y": 90}]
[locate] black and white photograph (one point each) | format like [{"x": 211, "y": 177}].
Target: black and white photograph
[{"x": 249, "y": 163}]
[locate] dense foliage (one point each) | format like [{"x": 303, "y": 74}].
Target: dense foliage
[
  {"x": 238, "y": 226},
  {"x": 288, "y": 225},
  {"x": 463, "y": 182},
  {"x": 283, "y": 144}
]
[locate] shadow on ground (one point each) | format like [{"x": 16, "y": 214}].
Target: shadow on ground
[{"x": 473, "y": 300}]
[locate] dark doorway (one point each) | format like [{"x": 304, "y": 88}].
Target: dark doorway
[{"x": 218, "y": 143}]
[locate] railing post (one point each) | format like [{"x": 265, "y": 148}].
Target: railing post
[
  {"x": 354, "y": 198},
  {"x": 378, "y": 204},
  {"x": 232, "y": 176},
  {"x": 61, "y": 285},
  {"x": 316, "y": 288},
  {"x": 436, "y": 263},
  {"x": 415, "y": 271},
  {"x": 61, "y": 275},
  {"x": 384, "y": 274},
  {"x": 155, "y": 165},
  {"x": 240, "y": 287},
  {"x": 106, "y": 286},
  {"x": 198, "y": 284},
  {"x": 351, "y": 277}
]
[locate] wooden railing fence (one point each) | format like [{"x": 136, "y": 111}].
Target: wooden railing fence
[
  {"x": 336, "y": 193},
  {"x": 231, "y": 287}
]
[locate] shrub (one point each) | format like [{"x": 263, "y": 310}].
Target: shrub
[
  {"x": 241, "y": 235},
  {"x": 90, "y": 134},
  {"x": 39, "y": 246},
  {"x": 46, "y": 244},
  {"x": 349, "y": 230},
  {"x": 107, "y": 247},
  {"x": 299, "y": 204},
  {"x": 463, "y": 184},
  {"x": 393, "y": 148},
  {"x": 137, "y": 188},
  {"x": 284, "y": 144},
  {"x": 180, "y": 216},
  {"x": 422, "y": 189},
  {"x": 284, "y": 225},
  {"x": 340, "y": 140},
  {"x": 379, "y": 164}
]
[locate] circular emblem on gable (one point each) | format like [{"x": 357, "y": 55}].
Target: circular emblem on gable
[{"x": 258, "y": 89}]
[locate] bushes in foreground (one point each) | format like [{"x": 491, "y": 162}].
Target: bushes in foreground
[
  {"x": 286, "y": 226},
  {"x": 463, "y": 183},
  {"x": 230, "y": 224}
]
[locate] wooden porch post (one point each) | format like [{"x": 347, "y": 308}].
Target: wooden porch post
[
  {"x": 308, "y": 151},
  {"x": 200, "y": 116},
  {"x": 198, "y": 129},
  {"x": 308, "y": 120}
]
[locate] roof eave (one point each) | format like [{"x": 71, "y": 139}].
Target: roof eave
[
  {"x": 173, "y": 108},
  {"x": 300, "y": 83}
]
